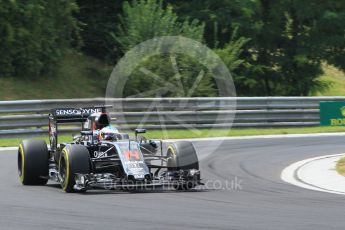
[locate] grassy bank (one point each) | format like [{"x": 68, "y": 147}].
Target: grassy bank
[
  {"x": 182, "y": 134},
  {"x": 336, "y": 79},
  {"x": 78, "y": 77}
]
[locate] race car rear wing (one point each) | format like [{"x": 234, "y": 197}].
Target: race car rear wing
[{"x": 69, "y": 115}]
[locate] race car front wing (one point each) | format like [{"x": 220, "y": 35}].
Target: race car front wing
[{"x": 178, "y": 179}]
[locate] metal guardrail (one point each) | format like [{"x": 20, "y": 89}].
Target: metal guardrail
[{"x": 29, "y": 117}]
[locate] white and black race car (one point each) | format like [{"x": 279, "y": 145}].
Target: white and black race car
[{"x": 97, "y": 159}]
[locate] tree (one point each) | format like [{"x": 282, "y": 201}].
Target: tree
[
  {"x": 98, "y": 19},
  {"x": 181, "y": 74},
  {"x": 331, "y": 20},
  {"x": 231, "y": 56},
  {"x": 289, "y": 40},
  {"x": 305, "y": 44},
  {"x": 218, "y": 16},
  {"x": 34, "y": 35},
  {"x": 146, "y": 19}
]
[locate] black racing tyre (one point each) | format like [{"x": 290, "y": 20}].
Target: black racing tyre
[
  {"x": 33, "y": 162},
  {"x": 74, "y": 159},
  {"x": 182, "y": 155}
]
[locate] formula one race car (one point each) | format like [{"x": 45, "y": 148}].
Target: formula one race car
[{"x": 102, "y": 157}]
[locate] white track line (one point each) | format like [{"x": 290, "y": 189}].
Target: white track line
[
  {"x": 8, "y": 148},
  {"x": 317, "y": 173}
]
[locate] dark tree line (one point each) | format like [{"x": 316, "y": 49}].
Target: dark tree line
[
  {"x": 272, "y": 47},
  {"x": 34, "y": 34},
  {"x": 288, "y": 40}
]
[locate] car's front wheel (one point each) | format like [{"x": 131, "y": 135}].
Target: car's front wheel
[
  {"x": 182, "y": 155},
  {"x": 74, "y": 159}
]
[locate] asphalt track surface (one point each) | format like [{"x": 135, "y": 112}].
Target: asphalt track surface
[{"x": 259, "y": 201}]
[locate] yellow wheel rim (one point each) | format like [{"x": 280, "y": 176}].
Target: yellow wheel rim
[
  {"x": 21, "y": 151},
  {"x": 66, "y": 179}
]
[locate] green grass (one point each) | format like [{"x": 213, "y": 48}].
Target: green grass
[
  {"x": 15, "y": 141},
  {"x": 336, "y": 78},
  {"x": 340, "y": 167},
  {"x": 182, "y": 134},
  {"x": 78, "y": 77}
]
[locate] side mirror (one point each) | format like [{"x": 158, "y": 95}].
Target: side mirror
[{"x": 138, "y": 131}]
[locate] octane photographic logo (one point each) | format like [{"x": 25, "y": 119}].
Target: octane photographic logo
[{"x": 170, "y": 100}]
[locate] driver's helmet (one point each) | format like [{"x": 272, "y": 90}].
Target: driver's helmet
[{"x": 108, "y": 133}]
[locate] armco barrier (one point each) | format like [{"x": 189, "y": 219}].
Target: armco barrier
[{"x": 29, "y": 117}]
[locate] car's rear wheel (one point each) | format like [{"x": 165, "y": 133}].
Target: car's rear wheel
[
  {"x": 74, "y": 159},
  {"x": 33, "y": 162},
  {"x": 182, "y": 155}
]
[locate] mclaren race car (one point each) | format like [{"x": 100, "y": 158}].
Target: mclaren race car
[{"x": 103, "y": 157}]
